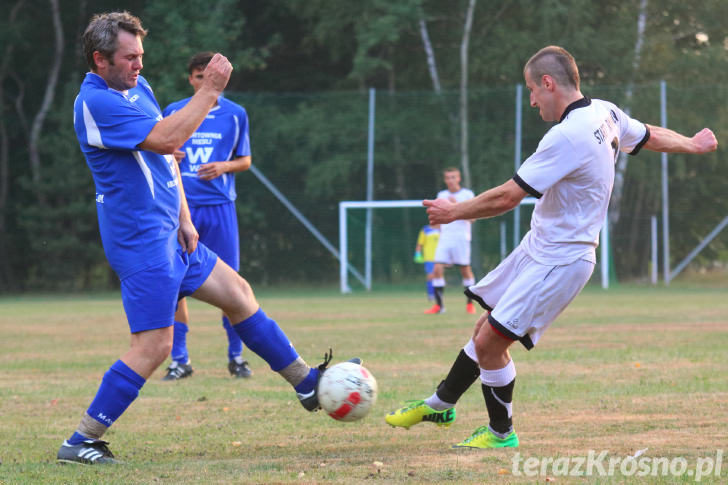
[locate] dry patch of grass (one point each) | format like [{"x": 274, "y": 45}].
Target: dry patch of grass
[{"x": 620, "y": 371}]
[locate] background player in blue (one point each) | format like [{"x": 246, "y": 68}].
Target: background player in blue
[
  {"x": 147, "y": 232},
  {"x": 208, "y": 162}
]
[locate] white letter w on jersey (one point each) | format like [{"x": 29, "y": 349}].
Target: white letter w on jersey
[{"x": 199, "y": 155}]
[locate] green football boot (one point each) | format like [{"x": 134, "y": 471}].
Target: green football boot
[
  {"x": 483, "y": 437},
  {"x": 417, "y": 411}
]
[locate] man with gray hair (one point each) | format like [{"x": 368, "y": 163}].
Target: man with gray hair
[
  {"x": 146, "y": 230},
  {"x": 571, "y": 174}
]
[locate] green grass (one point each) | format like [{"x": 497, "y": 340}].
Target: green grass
[{"x": 621, "y": 370}]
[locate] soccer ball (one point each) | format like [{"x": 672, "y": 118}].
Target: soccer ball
[{"x": 347, "y": 391}]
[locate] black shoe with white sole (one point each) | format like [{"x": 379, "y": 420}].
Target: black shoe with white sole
[
  {"x": 88, "y": 452},
  {"x": 177, "y": 371},
  {"x": 242, "y": 370}
]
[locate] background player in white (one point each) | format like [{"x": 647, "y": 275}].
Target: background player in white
[
  {"x": 147, "y": 232},
  {"x": 208, "y": 162},
  {"x": 571, "y": 173},
  {"x": 454, "y": 244}
]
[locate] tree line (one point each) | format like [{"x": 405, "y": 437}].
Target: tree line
[{"x": 445, "y": 74}]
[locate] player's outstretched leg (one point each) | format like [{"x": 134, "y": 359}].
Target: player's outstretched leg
[
  {"x": 440, "y": 407},
  {"x": 227, "y": 290},
  {"x": 263, "y": 336}
]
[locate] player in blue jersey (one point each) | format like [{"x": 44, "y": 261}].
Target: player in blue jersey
[
  {"x": 208, "y": 162},
  {"x": 147, "y": 232}
]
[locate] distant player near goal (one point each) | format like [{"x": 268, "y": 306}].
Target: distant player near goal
[
  {"x": 425, "y": 253},
  {"x": 571, "y": 174},
  {"x": 454, "y": 244}
]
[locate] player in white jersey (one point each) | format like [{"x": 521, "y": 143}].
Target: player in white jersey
[
  {"x": 454, "y": 244},
  {"x": 571, "y": 173}
]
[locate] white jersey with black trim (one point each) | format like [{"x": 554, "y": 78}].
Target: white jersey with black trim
[
  {"x": 460, "y": 229},
  {"x": 572, "y": 174}
]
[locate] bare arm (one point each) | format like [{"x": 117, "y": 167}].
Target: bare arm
[
  {"x": 213, "y": 170},
  {"x": 666, "y": 140},
  {"x": 171, "y": 132},
  {"x": 490, "y": 203}
]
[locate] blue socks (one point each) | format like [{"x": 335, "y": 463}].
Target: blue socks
[
  {"x": 309, "y": 382},
  {"x": 76, "y": 439},
  {"x": 235, "y": 345},
  {"x": 264, "y": 337},
  {"x": 119, "y": 387},
  {"x": 179, "y": 343}
]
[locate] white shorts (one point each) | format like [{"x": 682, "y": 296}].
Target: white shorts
[
  {"x": 525, "y": 297},
  {"x": 453, "y": 251}
]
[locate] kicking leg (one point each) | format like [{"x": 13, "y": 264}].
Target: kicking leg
[
  {"x": 440, "y": 407},
  {"x": 227, "y": 290}
]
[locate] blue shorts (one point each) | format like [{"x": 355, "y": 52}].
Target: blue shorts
[
  {"x": 429, "y": 267},
  {"x": 150, "y": 296},
  {"x": 218, "y": 229}
]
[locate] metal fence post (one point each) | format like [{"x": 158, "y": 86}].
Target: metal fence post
[
  {"x": 370, "y": 190},
  {"x": 665, "y": 194}
]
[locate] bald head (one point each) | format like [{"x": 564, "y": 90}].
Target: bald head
[{"x": 556, "y": 62}]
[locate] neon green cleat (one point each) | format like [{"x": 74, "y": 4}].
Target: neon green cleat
[
  {"x": 416, "y": 412},
  {"x": 483, "y": 437}
]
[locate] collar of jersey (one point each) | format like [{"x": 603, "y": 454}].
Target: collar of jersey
[{"x": 579, "y": 103}]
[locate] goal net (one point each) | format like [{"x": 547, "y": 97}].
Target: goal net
[{"x": 377, "y": 241}]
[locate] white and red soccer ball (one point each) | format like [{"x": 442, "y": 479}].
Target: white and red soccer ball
[{"x": 347, "y": 391}]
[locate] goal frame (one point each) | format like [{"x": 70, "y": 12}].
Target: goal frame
[{"x": 345, "y": 267}]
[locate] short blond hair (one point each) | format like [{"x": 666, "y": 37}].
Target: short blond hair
[{"x": 556, "y": 62}]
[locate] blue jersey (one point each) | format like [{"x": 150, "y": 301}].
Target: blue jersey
[
  {"x": 220, "y": 138},
  {"x": 137, "y": 198}
]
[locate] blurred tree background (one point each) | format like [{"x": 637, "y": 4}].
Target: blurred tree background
[{"x": 445, "y": 75}]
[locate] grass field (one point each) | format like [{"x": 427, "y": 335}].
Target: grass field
[{"x": 624, "y": 370}]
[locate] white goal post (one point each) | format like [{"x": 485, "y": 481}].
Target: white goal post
[{"x": 345, "y": 267}]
